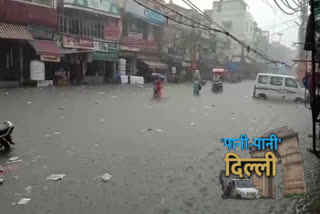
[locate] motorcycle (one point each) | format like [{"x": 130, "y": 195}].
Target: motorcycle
[
  {"x": 217, "y": 86},
  {"x": 5, "y": 135}
]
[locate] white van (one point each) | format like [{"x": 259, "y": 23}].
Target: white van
[{"x": 278, "y": 86}]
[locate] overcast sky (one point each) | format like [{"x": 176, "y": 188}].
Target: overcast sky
[{"x": 265, "y": 17}]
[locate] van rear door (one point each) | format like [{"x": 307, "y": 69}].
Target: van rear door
[{"x": 290, "y": 89}]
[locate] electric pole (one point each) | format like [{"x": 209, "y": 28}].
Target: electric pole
[{"x": 302, "y": 27}]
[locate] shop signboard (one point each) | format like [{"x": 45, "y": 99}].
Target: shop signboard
[
  {"x": 141, "y": 44},
  {"x": 37, "y": 70},
  {"x": 135, "y": 35},
  {"x": 48, "y": 58},
  {"x": 106, "y": 6},
  {"x": 105, "y": 51},
  {"x": 77, "y": 42},
  {"x": 112, "y": 31},
  {"x": 144, "y": 13}
]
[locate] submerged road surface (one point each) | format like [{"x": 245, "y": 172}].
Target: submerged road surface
[{"x": 164, "y": 156}]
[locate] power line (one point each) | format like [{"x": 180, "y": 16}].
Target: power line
[
  {"x": 190, "y": 4},
  {"x": 209, "y": 28},
  {"x": 282, "y": 30},
  {"x": 281, "y": 23},
  {"x": 274, "y": 10},
  {"x": 193, "y": 6},
  {"x": 288, "y": 5},
  {"x": 288, "y": 13}
]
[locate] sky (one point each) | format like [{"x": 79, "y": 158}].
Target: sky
[{"x": 266, "y": 18}]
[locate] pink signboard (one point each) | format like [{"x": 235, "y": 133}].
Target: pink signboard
[
  {"x": 143, "y": 45},
  {"x": 77, "y": 42},
  {"x": 112, "y": 31}
]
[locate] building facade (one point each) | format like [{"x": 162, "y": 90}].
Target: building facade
[
  {"x": 187, "y": 48},
  {"x": 140, "y": 36},
  {"x": 26, "y": 37},
  {"x": 234, "y": 16},
  {"x": 89, "y": 32}
]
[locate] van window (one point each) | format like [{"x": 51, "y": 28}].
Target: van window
[
  {"x": 291, "y": 83},
  {"x": 276, "y": 81},
  {"x": 263, "y": 79}
]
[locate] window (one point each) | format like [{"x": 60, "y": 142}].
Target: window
[
  {"x": 83, "y": 25},
  {"x": 227, "y": 25},
  {"x": 263, "y": 79},
  {"x": 291, "y": 83},
  {"x": 277, "y": 81}
]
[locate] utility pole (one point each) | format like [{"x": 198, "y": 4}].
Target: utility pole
[
  {"x": 302, "y": 27},
  {"x": 280, "y": 35}
]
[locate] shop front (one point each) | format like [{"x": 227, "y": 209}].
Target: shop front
[
  {"x": 77, "y": 54},
  {"x": 13, "y": 60},
  {"x": 102, "y": 68},
  {"x": 49, "y": 54}
]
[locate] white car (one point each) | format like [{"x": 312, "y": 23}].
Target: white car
[
  {"x": 279, "y": 86},
  {"x": 244, "y": 188}
]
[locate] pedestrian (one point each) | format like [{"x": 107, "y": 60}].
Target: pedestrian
[
  {"x": 158, "y": 87},
  {"x": 196, "y": 83}
]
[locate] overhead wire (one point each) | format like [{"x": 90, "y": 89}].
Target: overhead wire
[
  {"x": 275, "y": 11},
  {"x": 288, "y": 28},
  {"x": 267, "y": 58},
  {"x": 288, "y": 13},
  {"x": 288, "y": 5},
  {"x": 249, "y": 48}
]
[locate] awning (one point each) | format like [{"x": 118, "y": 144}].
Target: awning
[
  {"x": 10, "y": 31},
  {"x": 46, "y": 47},
  {"x": 155, "y": 64}
]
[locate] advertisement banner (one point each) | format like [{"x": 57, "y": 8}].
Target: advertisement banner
[
  {"x": 107, "y": 6},
  {"x": 77, "y": 42},
  {"x": 112, "y": 31}
]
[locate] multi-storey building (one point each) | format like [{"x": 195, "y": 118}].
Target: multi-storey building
[
  {"x": 26, "y": 34},
  {"x": 140, "y": 37},
  {"x": 89, "y": 32}
]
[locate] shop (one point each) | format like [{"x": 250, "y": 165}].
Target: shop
[
  {"x": 13, "y": 57},
  {"x": 102, "y": 67},
  {"x": 50, "y": 55}
]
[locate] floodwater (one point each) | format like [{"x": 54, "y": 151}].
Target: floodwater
[{"x": 164, "y": 156}]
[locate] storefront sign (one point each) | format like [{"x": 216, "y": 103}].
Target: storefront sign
[
  {"x": 154, "y": 17},
  {"x": 112, "y": 31},
  {"x": 100, "y": 46},
  {"x": 105, "y": 51},
  {"x": 140, "y": 44},
  {"x": 47, "y": 58},
  {"x": 106, "y": 6},
  {"x": 37, "y": 70},
  {"x": 135, "y": 35},
  {"x": 174, "y": 70},
  {"x": 144, "y": 13},
  {"x": 77, "y": 42}
]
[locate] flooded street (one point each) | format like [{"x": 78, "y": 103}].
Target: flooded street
[{"x": 164, "y": 155}]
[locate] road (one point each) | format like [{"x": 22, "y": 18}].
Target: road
[{"x": 85, "y": 132}]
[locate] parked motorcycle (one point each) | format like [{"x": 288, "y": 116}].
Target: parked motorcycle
[{"x": 5, "y": 135}]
